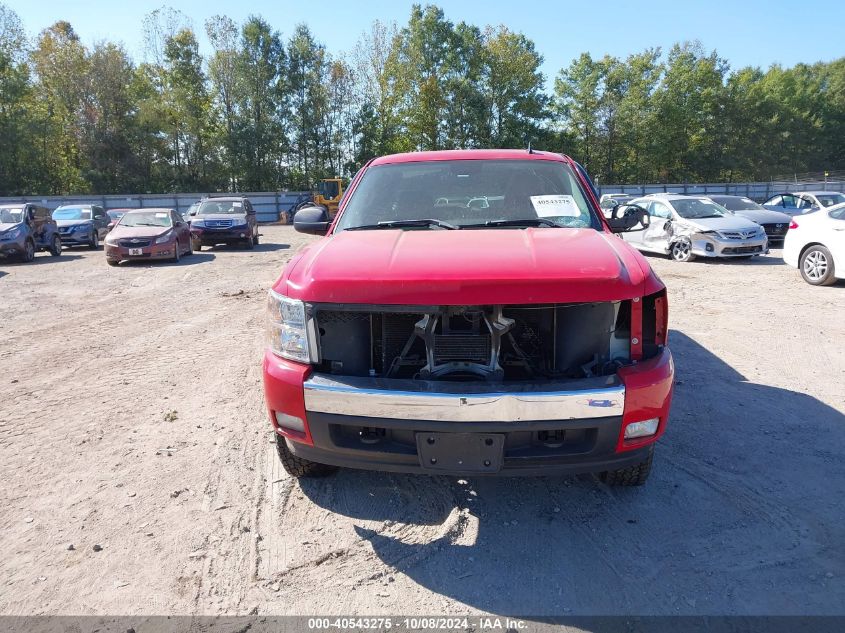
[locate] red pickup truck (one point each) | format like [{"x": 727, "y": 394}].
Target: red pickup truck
[{"x": 469, "y": 312}]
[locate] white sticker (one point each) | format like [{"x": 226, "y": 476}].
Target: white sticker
[
  {"x": 555, "y": 206},
  {"x": 161, "y": 215},
  {"x": 237, "y": 205}
]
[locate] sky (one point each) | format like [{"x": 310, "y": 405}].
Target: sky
[{"x": 745, "y": 32}]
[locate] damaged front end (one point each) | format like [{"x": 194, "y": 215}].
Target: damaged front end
[{"x": 498, "y": 343}]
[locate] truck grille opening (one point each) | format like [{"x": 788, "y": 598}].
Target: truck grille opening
[{"x": 492, "y": 343}]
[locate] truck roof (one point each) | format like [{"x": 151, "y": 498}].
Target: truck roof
[{"x": 468, "y": 154}]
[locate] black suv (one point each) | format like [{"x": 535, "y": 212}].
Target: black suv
[{"x": 224, "y": 220}]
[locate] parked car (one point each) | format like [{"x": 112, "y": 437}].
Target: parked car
[
  {"x": 224, "y": 220},
  {"x": 801, "y": 202},
  {"x": 81, "y": 224},
  {"x": 148, "y": 234},
  {"x": 815, "y": 244},
  {"x": 610, "y": 200},
  {"x": 686, "y": 227},
  {"x": 775, "y": 223},
  {"x": 26, "y": 229},
  {"x": 468, "y": 312},
  {"x": 114, "y": 215}
]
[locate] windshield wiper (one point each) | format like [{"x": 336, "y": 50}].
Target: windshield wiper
[
  {"x": 398, "y": 224},
  {"x": 524, "y": 222}
]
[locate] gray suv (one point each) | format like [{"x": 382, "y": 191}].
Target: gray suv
[
  {"x": 82, "y": 224},
  {"x": 26, "y": 229}
]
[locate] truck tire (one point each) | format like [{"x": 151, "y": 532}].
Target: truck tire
[
  {"x": 298, "y": 467},
  {"x": 635, "y": 475},
  {"x": 94, "y": 241},
  {"x": 56, "y": 246}
]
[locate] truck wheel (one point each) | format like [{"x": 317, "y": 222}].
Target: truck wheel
[
  {"x": 94, "y": 242},
  {"x": 250, "y": 243},
  {"x": 255, "y": 241},
  {"x": 29, "y": 251},
  {"x": 297, "y": 466},
  {"x": 197, "y": 245},
  {"x": 635, "y": 475},
  {"x": 681, "y": 251},
  {"x": 816, "y": 266},
  {"x": 56, "y": 246}
]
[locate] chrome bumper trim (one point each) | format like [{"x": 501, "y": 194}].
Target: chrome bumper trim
[{"x": 464, "y": 402}]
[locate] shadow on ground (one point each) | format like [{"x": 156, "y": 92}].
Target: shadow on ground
[
  {"x": 42, "y": 259},
  {"x": 742, "y": 515},
  {"x": 185, "y": 260},
  {"x": 258, "y": 248}
]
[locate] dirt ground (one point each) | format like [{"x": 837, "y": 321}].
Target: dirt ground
[{"x": 138, "y": 476}]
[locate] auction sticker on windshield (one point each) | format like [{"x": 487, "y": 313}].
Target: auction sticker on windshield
[{"x": 555, "y": 206}]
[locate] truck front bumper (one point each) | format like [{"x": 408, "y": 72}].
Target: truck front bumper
[{"x": 388, "y": 425}]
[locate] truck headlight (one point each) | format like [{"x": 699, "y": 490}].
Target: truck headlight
[
  {"x": 287, "y": 328},
  {"x": 164, "y": 238},
  {"x": 641, "y": 429},
  {"x": 11, "y": 235}
]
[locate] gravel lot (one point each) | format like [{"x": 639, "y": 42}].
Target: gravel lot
[{"x": 137, "y": 473}]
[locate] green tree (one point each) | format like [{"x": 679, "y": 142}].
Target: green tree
[
  {"x": 108, "y": 118},
  {"x": 187, "y": 108},
  {"x": 512, "y": 90},
  {"x": 19, "y": 171},
  {"x": 60, "y": 63},
  {"x": 260, "y": 135}
]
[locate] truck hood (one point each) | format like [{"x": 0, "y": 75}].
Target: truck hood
[
  {"x": 467, "y": 267},
  {"x": 727, "y": 223},
  {"x": 9, "y": 226}
]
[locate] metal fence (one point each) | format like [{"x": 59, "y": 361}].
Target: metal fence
[
  {"x": 759, "y": 191},
  {"x": 273, "y": 206},
  {"x": 270, "y": 206}
]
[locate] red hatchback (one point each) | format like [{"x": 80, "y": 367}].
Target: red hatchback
[{"x": 149, "y": 234}]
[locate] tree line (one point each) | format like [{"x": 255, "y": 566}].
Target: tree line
[{"x": 265, "y": 112}]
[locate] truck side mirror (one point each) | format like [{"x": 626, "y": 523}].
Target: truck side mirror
[
  {"x": 628, "y": 217},
  {"x": 311, "y": 220}
]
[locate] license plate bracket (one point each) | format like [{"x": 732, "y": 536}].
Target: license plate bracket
[{"x": 461, "y": 452}]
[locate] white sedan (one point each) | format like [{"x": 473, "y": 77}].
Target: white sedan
[{"x": 815, "y": 244}]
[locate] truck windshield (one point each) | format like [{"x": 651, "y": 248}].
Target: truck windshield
[
  {"x": 72, "y": 213},
  {"x": 469, "y": 194},
  {"x": 11, "y": 215}
]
